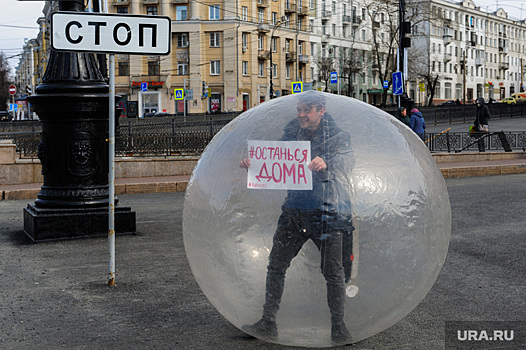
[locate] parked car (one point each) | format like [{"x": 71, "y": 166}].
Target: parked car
[
  {"x": 147, "y": 115},
  {"x": 448, "y": 103},
  {"x": 161, "y": 114},
  {"x": 509, "y": 100},
  {"x": 520, "y": 97}
]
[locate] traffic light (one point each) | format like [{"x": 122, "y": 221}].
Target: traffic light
[
  {"x": 203, "y": 93},
  {"x": 29, "y": 90},
  {"x": 406, "y": 29}
]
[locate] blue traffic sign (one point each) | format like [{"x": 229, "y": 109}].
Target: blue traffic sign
[
  {"x": 178, "y": 94},
  {"x": 398, "y": 83},
  {"x": 144, "y": 86},
  {"x": 386, "y": 84},
  {"x": 334, "y": 77},
  {"x": 297, "y": 87}
]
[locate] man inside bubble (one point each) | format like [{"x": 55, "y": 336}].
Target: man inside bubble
[{"x": 322, "y": 215}]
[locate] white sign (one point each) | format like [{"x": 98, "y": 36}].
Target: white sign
[
  {"x": 279, "y": 165},
  {"x": 109, "y": 33}
]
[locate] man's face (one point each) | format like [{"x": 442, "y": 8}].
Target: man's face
[
  {"x": 309, "y": 118},
  {"x": 404, "y": 112}
]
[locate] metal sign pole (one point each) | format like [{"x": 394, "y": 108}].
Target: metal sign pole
[{"x": 111, "y": 175}]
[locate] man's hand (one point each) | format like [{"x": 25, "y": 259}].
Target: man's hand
[
  {"x": 245, "y": 163},
  {"x": 317, "y": 164}
]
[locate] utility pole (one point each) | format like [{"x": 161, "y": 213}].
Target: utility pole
[
  {"x": 278, "y": 23},
  {"x": 464, "y": 77}
]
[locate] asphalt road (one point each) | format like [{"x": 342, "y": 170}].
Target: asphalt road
[
  {"x": 54, "y": 295},
  {"x": 510, "y": 124}
]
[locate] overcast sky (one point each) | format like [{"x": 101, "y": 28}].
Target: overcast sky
[{"x": 18, "y": 21}]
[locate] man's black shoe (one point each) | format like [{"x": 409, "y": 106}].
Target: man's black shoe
[
  {"x": 263, "y": 329},
  {"x": 340, "y": 334}
]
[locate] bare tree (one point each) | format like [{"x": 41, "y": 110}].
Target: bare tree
[
  {"x": 383, "y": 14},
  {"x": 351, "y": 64},
  {"x": 5, "y": 81},
  {"x": 325, "y": 67}
]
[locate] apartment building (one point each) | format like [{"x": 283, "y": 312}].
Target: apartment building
[
  {"x": 222, "y": 52},
  {"x": 471, "y": 52}
]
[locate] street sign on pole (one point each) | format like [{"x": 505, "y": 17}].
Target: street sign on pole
[
  {"x": 12, "y": 89},
  {"x": 178, "y": 94},
  {"x": 334, "y": 77},
  {"x": 112, "y": 34},
  {"x": 109, "y": 33},
  {"x": 398, "y": 83},
  {"x": 297, "y": 87},
  {"x": 386, "y": 84}
]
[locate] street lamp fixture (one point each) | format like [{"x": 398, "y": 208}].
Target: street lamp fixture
[{"x": 278, "y": 23}]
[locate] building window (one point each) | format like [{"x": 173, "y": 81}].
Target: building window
[
  {"x": 151, "y": 10},
  {"x": 244, "y": 67},
  {"x": 180, "y": 13},
  {"x": 244, "y": 13},
  {"x": 244, "y": 40},
  {"x": 447, "y": 91},
  {"x": 122, "y": 10},
  {"x": 261, "y": 69},
  {"x": 274, "y": 70},
  {"x": 334, "y": 30},
  {"x": 287, "y": 71},
  {"x": 261, "y": 41},
  {"x": 274, "y": 18},
  {"x": 182, "y": 68},
  {"x": 300, "y": 48},
  {"x": 153, "y": 67},
  {"x": 213, "y": 12},
  {"x": 182, "y": 40},
  {"x": 214, "y": 39},
  {"x": 124, "y": 68},
  {"x": 274, "y": 44},
  {"x": 261, "y": 15},
  {"x": 215, "y": 67}
]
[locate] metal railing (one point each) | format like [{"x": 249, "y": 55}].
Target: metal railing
[
  {"x": 175, "y": 136},
  {"x": 463, "y": 141}
]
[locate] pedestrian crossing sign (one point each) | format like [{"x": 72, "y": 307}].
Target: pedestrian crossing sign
[
  {"x": 297, "y": 87},
  {"x": 178, "y": 94}
]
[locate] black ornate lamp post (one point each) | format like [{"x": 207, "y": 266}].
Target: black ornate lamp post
[{"x": 72, "y": 103}]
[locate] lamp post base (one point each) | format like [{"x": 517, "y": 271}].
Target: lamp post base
[{"x": 43, "y": 224}]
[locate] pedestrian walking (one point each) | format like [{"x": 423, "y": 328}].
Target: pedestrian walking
[
  {"x": 481, "y": 123},
  {"x": 402, "y": 116},
  {"x": 417, "y": 123}
]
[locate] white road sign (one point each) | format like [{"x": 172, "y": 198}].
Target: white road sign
[{"x": 109, "y": 33}]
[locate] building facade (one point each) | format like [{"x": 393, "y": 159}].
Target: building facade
[
  {"x": 471, "y": 52},
  {"x": 222, "y": 52}
]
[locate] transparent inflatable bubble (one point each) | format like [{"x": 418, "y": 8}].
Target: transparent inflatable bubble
[{"x": 398, "y": 204}]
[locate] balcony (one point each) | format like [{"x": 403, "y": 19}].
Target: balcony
[
  {"x": 263, "y": 3},
  {"x": 121, "y": 2},
  {"x": 303, "y": 10},
  {"x": 356, "y": 20},
  {"x": 447, "y": 57},
  {"x": 503, "y": 49},
  {"x": 290, "y": 7},
  {"x": 504, "y": 66},
  {"x": 326, "y": 15},
  {"x": 263, "y": 28},
  {"x": 346, "y": 19},
  {"x": 290, "y": 57},
  {"x": 179, "y": 1},
  {"x": 263, "y": 54},
  {"x": 479, "y": 61},
  {"x": 325, "y": 38},
  {"x": 303, "y": 59},
  {"x": 151, "y": 2}
]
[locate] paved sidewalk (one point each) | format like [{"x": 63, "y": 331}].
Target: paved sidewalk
[{"x": 55, "y": 294}]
